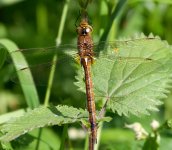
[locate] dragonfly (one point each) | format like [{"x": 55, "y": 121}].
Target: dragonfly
[
  {"x": 88, "y": 53},
  {"x": 85, "y": 51}
]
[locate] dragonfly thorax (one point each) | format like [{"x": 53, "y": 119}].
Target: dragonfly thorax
[{"x": 85, "y": 43}]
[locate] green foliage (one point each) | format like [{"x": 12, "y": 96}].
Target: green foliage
[
  {"x": 24, "y": 76},
  {"x": 131, "y": 79},
  {"x": 40, "y": 117},
  {"x": 131, "y": 86},
  {"x": 5, "y": 117},
  {"x": 6, "y": 146},
  {"x": 48, "y": 140}
]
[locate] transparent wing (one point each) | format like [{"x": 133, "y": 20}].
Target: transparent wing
[
  {"x": 41, "y": 56},
  {"x": 40, "y": 60}
]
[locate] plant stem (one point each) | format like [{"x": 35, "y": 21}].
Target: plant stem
[
  {"x": 58, "y": 42},
  {"x": 50, "y": 81},
  {"x": 38, "y": 140},
  {"x": 62, "y": 22},
  {"x": 86, "y": 142},
  {"x": 52, "y": 72}
]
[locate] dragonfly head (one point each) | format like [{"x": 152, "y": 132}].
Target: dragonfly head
[{"x": 84, "y": 29}]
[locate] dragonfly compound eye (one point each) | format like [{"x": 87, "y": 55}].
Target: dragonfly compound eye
[{"x": 85, "y": 31}]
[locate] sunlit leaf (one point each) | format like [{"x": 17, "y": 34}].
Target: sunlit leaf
[
  {"x": 5, "y": 117},
  {"x": 40, "y": 117},
  {"x": 107, "y": 119},
  {"x": 136, "y": 80}
]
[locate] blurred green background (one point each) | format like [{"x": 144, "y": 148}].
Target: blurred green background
[{"x": 35, "y": 23}]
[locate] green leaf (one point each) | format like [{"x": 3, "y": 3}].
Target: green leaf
[
  {"x": 40, "y": 117},
  {"x": 48, "y": 140},
  {"x": 107, "y": 119},
  {"x": 23, "y": 141},
  {"x": 5, "y": 146},
  {"x": 7, "y": 116},
  {"x": 136, "y": 78},
  {"x": 24, "y": 76}
]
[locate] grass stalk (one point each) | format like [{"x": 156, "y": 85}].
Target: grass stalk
[
  {"x": 86, "y": 142},
  {"x": 52, "y": 71},
  {"x": 58, "y": 42}
]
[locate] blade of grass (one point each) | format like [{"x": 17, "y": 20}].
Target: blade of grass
[
  {"x": 114, "y": 14},
  {"x": 25, "y": 76}
]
